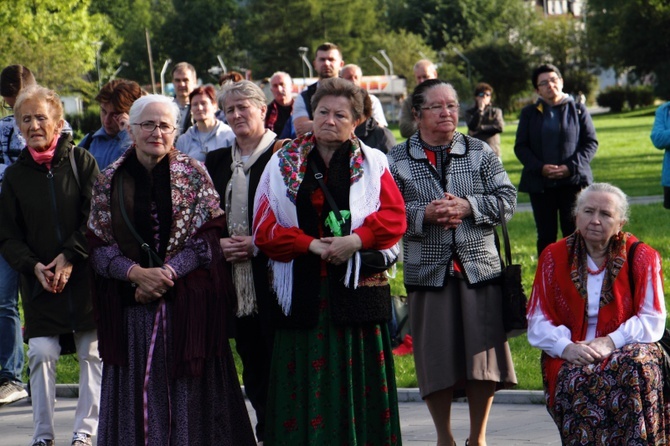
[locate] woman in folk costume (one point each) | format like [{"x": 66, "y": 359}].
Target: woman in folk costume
[
  {"x": 332, "y": 371},
  {"x": 162, "y": 295},
  {"x": 596, "y": 311}
]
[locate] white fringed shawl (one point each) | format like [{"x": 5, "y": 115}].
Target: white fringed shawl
[{"x": 363, "y": 200}]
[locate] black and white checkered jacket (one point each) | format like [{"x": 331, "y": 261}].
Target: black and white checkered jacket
[{"x": 474, "y": 173}]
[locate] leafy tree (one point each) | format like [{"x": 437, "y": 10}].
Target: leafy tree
[
  {"x": 131, "y": 19},
  {"x": 274, "y": 30},
  {"x": 403, "y": 48},
  {"x": 197, "y": 31},
  {"x": 54, "y": 38},
  {"x": 503, "y": 65},
  {"x": 634, "y": 33},
  {"x": 445, "y": 23}
]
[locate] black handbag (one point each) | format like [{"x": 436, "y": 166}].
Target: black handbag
[
  {"x": 372, "y": 260},
  {"x": 514, "y": 298}
]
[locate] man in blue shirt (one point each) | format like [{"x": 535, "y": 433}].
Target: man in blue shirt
[{"x": 112, "y": 139}]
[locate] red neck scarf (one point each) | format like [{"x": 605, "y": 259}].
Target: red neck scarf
[{"x": 45, "y": 156}]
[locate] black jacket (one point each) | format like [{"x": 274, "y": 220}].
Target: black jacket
[{"x": 44, "y": 213}]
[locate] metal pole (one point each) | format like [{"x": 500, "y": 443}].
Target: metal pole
[
  {"x": 467, "y": 61},
  {"x": 165, "y": 65},
  {"x": 151, "y": 62},
  {"x": 223, "y": 65},
  {"x": 118, "y": 70},
  {"x": 378, "y": 62},
  {"x": 388, "y": 61}
]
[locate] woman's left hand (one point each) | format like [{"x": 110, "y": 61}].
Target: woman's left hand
[{"x": 341, "y": 248}]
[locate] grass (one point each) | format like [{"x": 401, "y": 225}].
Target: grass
[{"x": 625, "y": 158}]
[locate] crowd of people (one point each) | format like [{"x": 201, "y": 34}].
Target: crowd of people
[{"x": 214, "y": 215}]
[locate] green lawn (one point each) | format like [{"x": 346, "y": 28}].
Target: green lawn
[{"x": 625, "y": 157}]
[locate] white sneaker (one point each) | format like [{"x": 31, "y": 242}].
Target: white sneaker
[{"x": 11, "y": 391}]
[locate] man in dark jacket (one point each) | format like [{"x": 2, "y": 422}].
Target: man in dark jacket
[{"x": 555, "y": 142}]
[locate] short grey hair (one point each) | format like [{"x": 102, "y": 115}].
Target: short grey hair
[
  {"x": 136, "y": 110},
  {"x": 352, "y": 66},
  {"x": 246, "y": 90},
  {"x": 621, "y": 198},
  {"x": 281, "y": 73}
]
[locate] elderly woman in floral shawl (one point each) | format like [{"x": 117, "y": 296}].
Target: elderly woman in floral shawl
[
  {"x": 332, "y": 368},
  {"x": 161, "y": 295}
]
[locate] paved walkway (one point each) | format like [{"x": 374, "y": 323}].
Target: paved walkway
[{"x": 515, "y": 420}]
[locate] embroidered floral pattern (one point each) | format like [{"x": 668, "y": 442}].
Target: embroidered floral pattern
[
  {"x": 194, "y": 199},
  {"x": 333, "y": 386},
  {"x": 293, "y": 162}
]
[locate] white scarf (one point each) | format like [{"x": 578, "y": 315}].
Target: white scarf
[
  {"x": 363, "y": 200},
  {"x": 237, "y": 213}
]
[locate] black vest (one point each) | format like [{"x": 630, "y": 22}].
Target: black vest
[{"x": 307, "y": 96}]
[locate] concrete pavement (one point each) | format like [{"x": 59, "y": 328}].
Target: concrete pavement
[{"x": 516, "y": 419}]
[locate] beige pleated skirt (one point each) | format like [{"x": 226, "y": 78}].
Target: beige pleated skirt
[{"x": 458, "y": 336}]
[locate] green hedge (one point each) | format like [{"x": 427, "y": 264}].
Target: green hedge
[{"x": 616, "y": 97}]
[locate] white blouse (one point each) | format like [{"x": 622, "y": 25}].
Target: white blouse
[{"x": 646, "y": 326}]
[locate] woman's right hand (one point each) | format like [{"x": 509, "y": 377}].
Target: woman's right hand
[{"x": 152, "y": 283}]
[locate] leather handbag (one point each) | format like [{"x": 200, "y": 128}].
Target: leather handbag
[{"x": 514, "y": 298}]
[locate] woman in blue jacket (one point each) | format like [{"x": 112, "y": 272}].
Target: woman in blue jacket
[
  {"x": 660, "y": 137},
  {"x": 555, "y": 142}
]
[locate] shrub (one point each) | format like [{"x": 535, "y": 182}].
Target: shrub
[
  {"x": 613, "y": 97},
  {"x": 639, "y": 96}
]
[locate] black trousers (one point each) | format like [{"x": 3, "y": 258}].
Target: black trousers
[
  {"x": 254, "y": 338},
  {"x": 550, "y": 207}
]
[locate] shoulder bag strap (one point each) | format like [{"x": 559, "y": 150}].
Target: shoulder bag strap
[
  {"x": 503, "y": 224},
  {"x": 73, "y": 163},
  {"x": 319, "y": 178},
  {"x": 153, "y": 257}
]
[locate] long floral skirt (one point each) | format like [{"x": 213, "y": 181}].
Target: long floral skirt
[
  {"x": 618, "y": 401},
  {"x": 332, "y": 385},
  {"x": 203, "y": 410}
]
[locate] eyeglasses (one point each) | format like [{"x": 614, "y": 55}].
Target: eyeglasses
[
  {"x": 551, "y": 80},
  {"x": 437, "y": 109},
  {"x": 150, "y": 126},
  {"x": 481, "y": 95}
]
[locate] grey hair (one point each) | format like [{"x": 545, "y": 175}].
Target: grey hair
[
  {"x": 421, "y": 93},
  {"x": 243, "y": 89},
  {"x": 351, "y": 66},
  {"x": 281, "y": 73},
  {"x": 620, "y": 197},
  {"x": 136, "y": 110}
]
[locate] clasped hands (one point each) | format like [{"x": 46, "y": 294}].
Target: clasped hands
[
  {"x": 238, "y": 248},
  {"x": 555, "y": 172},
  {"x": 336, "y": 250},
  {"x": 54, "y": 276},
  {"x": 589, "y": 352},
  {"x": 448, "y": 212},
  {"x": 152, "y": 283}
]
